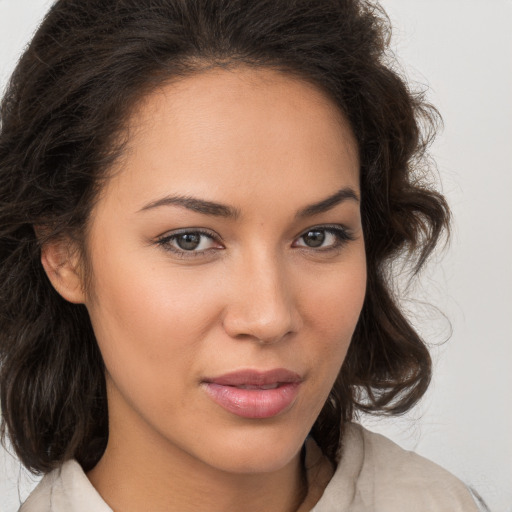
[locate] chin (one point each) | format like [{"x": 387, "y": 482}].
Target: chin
[
  {"x": 257, "y": 461},
  {"x": 252, "y": 452}
]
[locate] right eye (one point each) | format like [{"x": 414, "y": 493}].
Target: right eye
[{"x": 187, "y": 243}]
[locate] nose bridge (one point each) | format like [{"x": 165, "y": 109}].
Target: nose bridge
[{"x": 262, "y": 305}]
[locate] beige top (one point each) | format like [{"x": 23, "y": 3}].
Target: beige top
[{"x": 374, "y": 475}]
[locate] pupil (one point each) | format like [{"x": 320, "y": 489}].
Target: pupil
[
  {"x": 314, "y": 238},
  {"x": 189, "y": 241}
]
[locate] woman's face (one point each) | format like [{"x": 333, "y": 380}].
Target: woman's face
[{"x": 228, "y": 269}]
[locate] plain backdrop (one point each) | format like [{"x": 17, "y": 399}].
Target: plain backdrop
[{"x": 462, "y": 51}]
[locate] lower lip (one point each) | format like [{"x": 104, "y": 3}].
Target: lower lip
[{"x": 253, "y": 403}]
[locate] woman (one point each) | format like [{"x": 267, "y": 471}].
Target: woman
[{"x": 200, "y": 204}]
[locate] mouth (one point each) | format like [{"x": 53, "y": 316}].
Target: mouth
[
  {"x": 265, "y": 386},
  {"x": 254, "y": 394}
]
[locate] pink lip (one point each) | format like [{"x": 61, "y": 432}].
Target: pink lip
[{"x": 257, "y": 402}]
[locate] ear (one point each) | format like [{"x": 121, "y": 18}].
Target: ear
[{"x": 62, "y": 266}]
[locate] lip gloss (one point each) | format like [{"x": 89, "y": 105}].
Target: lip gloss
[
  {"x": 254, "y": 394},
  {"x": 253, "y": 403}
]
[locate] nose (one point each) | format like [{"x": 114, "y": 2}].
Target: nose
[{"x": 262, "y": 305}]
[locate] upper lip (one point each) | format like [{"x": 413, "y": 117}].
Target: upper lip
[{"x": 255, "y": 377}]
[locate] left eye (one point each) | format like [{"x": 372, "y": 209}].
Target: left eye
[{"x": 320, "y": 238}]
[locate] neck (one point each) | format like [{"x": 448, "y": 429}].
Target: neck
[{"x": 158, "y": 476}]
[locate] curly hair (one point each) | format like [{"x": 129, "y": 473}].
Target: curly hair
[{"x": 62, "y": 121}]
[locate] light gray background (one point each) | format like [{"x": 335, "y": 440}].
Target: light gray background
[{"x": 462, "y": 50}]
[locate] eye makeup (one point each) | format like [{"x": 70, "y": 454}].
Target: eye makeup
[{"x": 197, "y": 242}]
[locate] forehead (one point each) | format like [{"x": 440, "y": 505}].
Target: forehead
[{"x": 228, "y": 131}]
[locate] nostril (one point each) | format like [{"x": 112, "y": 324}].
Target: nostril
[
  {"x": 275, "y": 339},
  {"x": 249, "y": 325}
]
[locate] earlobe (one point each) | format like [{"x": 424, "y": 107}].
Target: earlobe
[{"x": 61, "y": 265}]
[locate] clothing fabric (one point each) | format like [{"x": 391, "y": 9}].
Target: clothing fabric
[{"x": 374, "y": 475}]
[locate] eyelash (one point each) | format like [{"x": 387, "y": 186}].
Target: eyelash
[
  {"x": 165, "y": 243},
  {"x": 341, "y": 233}
]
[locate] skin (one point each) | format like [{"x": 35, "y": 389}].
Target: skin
[{"x": 254, "y": 295}]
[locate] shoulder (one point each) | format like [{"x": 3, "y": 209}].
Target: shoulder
[
  {"x": 401, "y": 477},
  {"x": 65, "y": 489},
  {"x": 40, "y": 498},
  {"x": 380, "y": 476}
]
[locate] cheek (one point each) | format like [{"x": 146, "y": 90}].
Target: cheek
[
  {"x": 149, "y": 319},
  {"x": 333, "y": 308},
  {"x": 150, "y": 326},
  {"x": 333, "y": 300}
]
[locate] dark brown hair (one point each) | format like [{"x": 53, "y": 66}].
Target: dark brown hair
[{"x": 62, "y": 123}]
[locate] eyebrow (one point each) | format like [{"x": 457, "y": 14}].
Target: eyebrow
[
  {"x": 196, "y": 205},
  {"x": 329, "y": 203},
  {"x": 222, "y": 210}
]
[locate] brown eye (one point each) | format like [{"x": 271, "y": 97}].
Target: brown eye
[
  {"x": 324, "y": 238},
  {"x": 314, "y": 238},
  {"x": 188, "y": 241}
]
